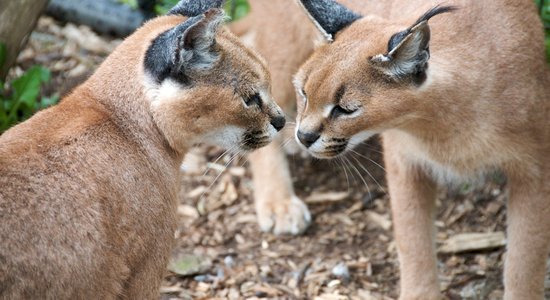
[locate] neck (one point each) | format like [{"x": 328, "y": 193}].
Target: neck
[{"x": 124, "y": 97}]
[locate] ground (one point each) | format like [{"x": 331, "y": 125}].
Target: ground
[{"x": 347, "y": 253}]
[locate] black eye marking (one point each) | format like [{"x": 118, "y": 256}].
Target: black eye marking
[
  {"x": 339, "y": 110},
  {"x": 254, "y": 99},
  {"x": 339, "y": 94},
  {"x": 302, "y": 94}
]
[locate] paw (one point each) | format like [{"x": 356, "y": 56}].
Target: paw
[{"x": 289, "y": 216}]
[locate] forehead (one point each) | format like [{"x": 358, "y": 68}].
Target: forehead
[
  {"x": 330, "y": 65},
  {"x": 242, "y": 59}
]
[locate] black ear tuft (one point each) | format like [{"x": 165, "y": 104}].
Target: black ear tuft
[
  {"x": 192, "y": 8},
  {"x": 433, "y": 12},
  {"x": 397, "y": 38},
  {"x": 328, "y": 16}
]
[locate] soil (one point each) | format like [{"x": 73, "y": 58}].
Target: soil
[{"x": 349, "y": 250}]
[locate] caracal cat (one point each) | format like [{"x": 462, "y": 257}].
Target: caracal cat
[
  {"x": 88, "y": 187},
  {"x": 456, "y": 91}
]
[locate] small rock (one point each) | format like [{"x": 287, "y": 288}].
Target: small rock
[
  {"x": 341, "y": 270},
  {"x": 185, "y": 265},
  {"x": 229, "y": 261}
]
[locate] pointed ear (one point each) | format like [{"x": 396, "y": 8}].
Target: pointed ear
[
  {"x": 193, "y": 8},
  {"x": 185, "y": 48},
  {"x": 196, "y": 45},
  {"x": 408, "y": 50},
  {"x": 328, "y": 16}
]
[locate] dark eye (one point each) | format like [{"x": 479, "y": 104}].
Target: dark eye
[
  {"x": 254, "y": 99},
  {"x": 339, "y": 110}
]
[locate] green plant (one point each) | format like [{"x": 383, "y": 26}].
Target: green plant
[
  {"x": 3, "y": 55},
  {"x": 132, "y": 3},
  {"x": 236, "y": 9},
  {"x": 20, "y": 98},
  {"x": 544, "y": 6}
]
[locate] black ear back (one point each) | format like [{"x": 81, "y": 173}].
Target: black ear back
[
  {"x": 328, "y": 16},
  {"x": 408, "y": 50},
  {"x": 185, "y": 48},
  {"x": 192, "y": 8}
]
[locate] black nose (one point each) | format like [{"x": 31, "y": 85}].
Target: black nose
[
  {"x": 278, "y": 123},
  {"x": 308, "y": 138}
]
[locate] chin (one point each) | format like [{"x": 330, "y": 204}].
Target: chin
[
  {"x": 326, "y": 154},
  {"x": 253, "y": 145}
]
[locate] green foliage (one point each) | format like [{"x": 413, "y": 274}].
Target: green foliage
[
  {"x": 544, "y": 6},
  {"x": 21, "y": 99},
  {"x": 3, "y": 54},
  {"x": 236, "y": 9},
  {"x": 132, "y": 3},
  {"x": 163, "y": 6}
]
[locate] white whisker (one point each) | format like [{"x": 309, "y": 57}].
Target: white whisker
[
  {"x": 220, "y": 174},
  {"x": 359, "y": 174},
  {"x": 367, "y": 171},
  {"x": 372, "y": 161}
]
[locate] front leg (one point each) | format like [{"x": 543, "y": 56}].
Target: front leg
[
  {"x": 277, "y": 207},
  {"x": 412, "y": 196},
  {"x": 528, "y": 237}
]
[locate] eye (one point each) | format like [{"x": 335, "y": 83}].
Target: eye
[
  {"x": 339, "y": 110},
  {"x": 254, "y": 99},
  {"x": 302, "y": 93}
]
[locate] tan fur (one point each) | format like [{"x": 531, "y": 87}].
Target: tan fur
[
  {"x": 484, "y": 106},
  {"x": 88, "y": 187}
]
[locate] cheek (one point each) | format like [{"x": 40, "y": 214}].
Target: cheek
[
  {"x": 226, "y": 137},
  {"x": 345, "y": 127}
]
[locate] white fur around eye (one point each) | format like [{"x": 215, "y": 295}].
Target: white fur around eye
[{"x": 328, "y": 110}]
